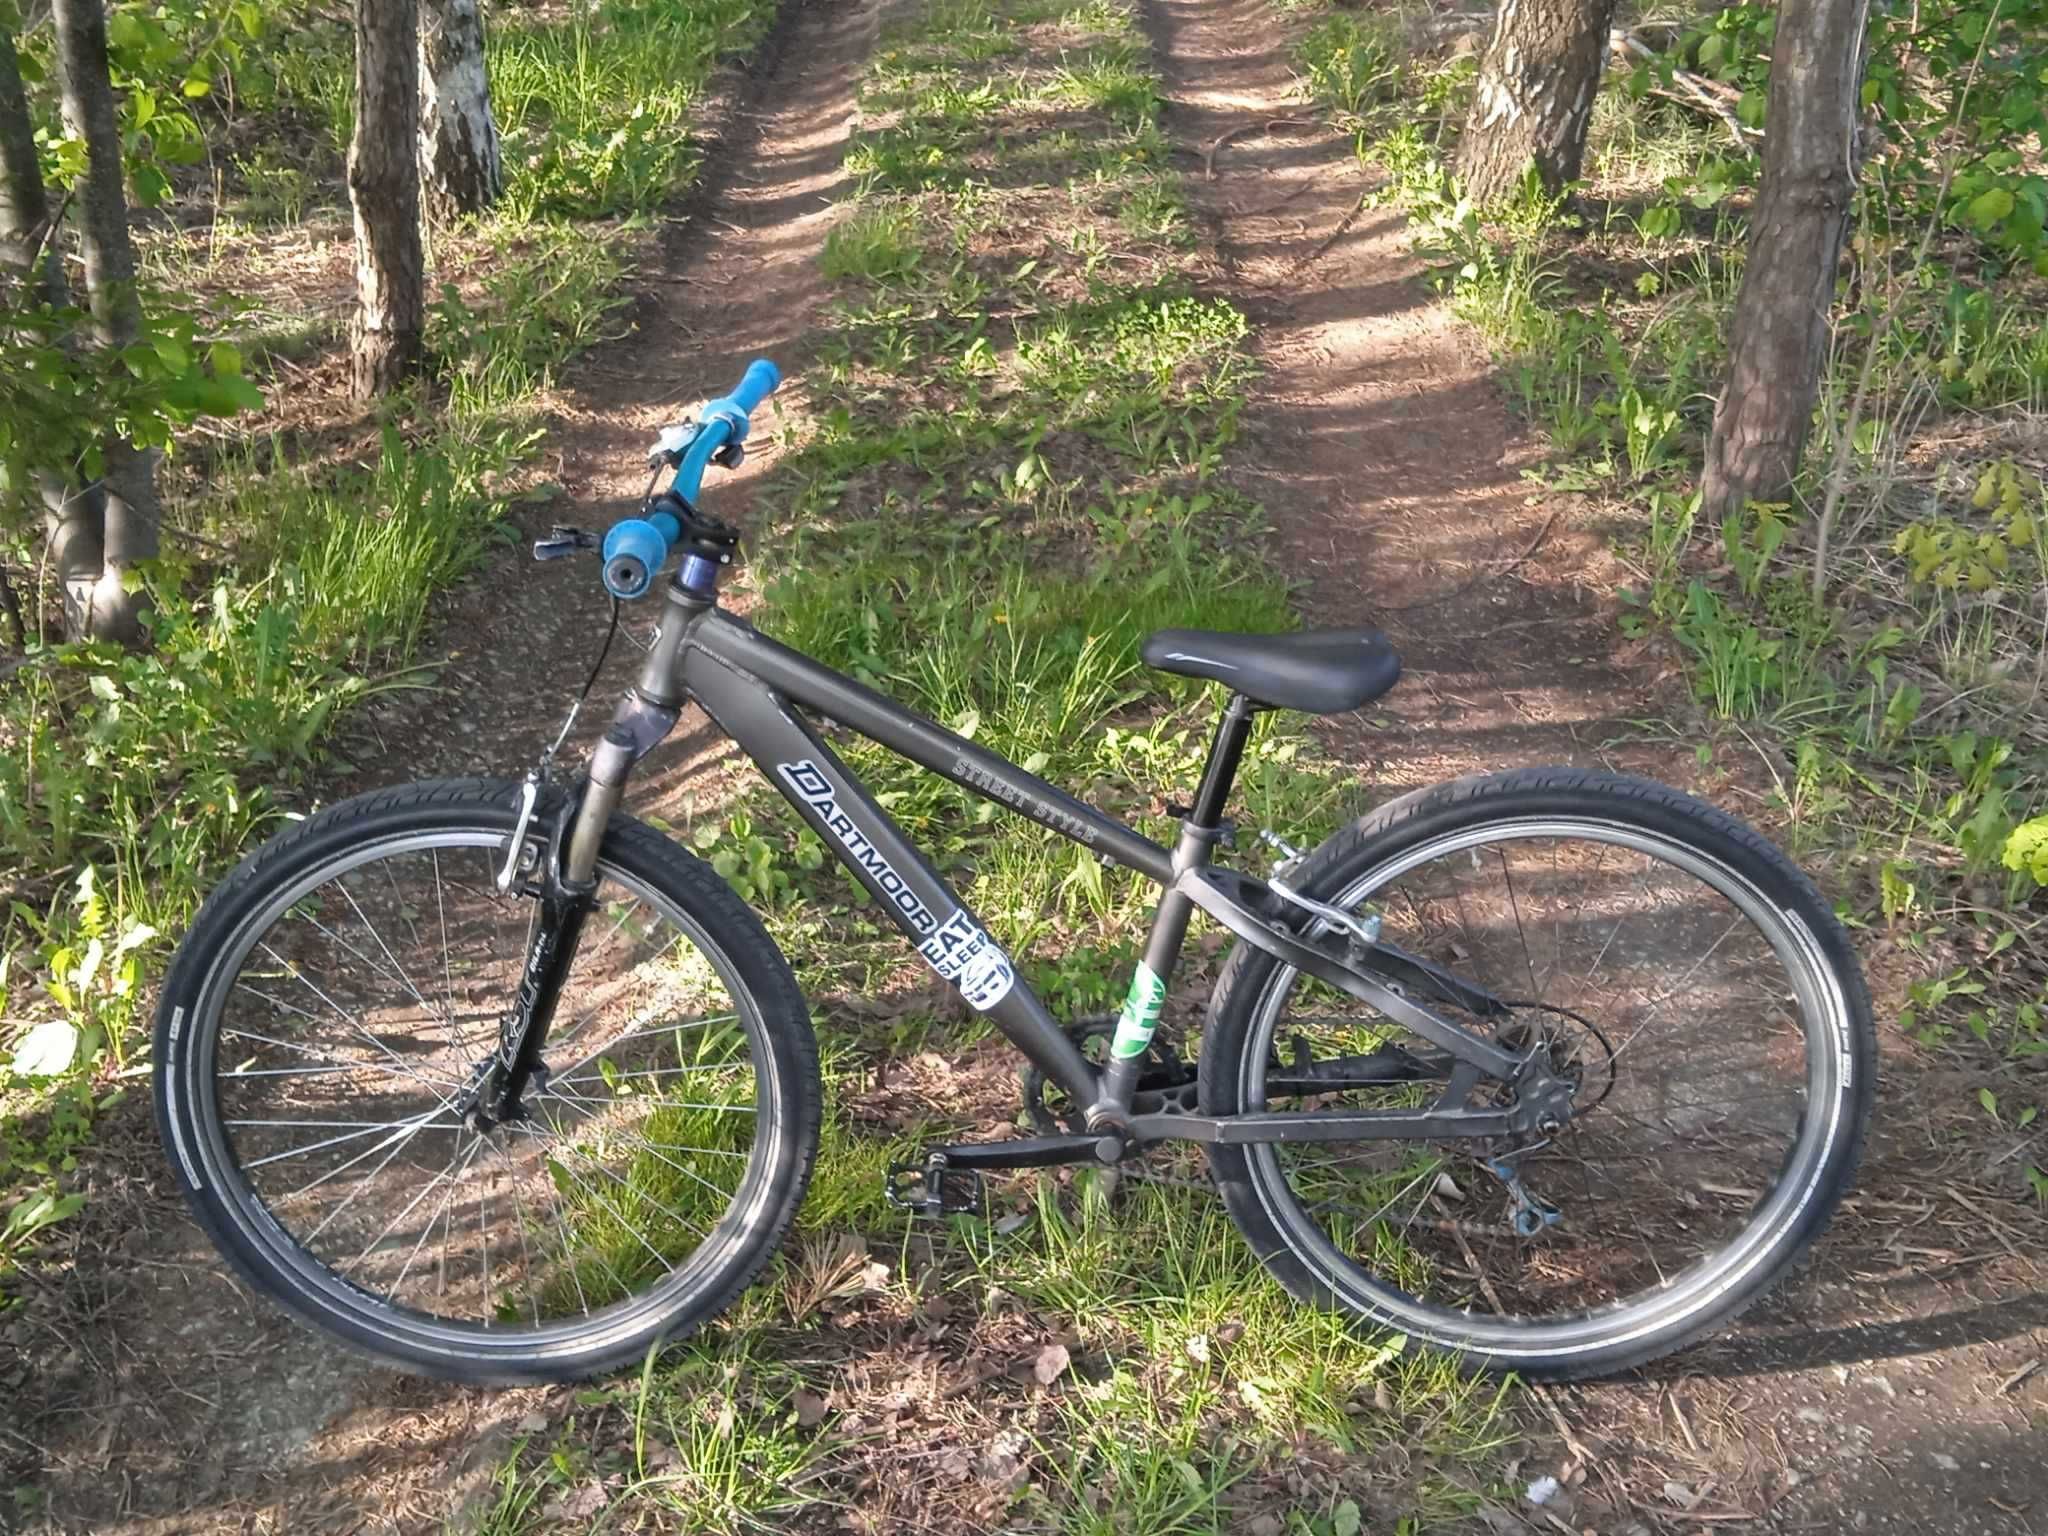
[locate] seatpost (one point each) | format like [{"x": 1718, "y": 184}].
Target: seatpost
[{"x": 1200, "y": 830}]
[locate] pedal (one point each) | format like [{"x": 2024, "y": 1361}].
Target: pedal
[{"x": 933, "y": 1188}]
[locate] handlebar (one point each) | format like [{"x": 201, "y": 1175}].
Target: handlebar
[{"x": 637, "y": 547}]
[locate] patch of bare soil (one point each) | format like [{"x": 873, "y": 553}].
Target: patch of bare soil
[
  {"x": 1896, "y": 1382},
  {"x": 146, "y": 1390}
]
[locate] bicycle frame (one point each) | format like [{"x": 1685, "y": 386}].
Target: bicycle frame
[{"x": 755, "y": 690}]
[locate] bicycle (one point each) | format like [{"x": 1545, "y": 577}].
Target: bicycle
[{"x": 495, "y": 1082}]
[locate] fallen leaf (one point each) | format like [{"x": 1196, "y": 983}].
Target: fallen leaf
[
  {"x": 532, "y": 1424},
  {"x": 1052, "y": 1360},
  {"x": 578, "y": 1504},
  {"x": 47, "y": 1049},
  {"x": 1010, "y": 1223},
  {"x": 810, "y": 1408}
]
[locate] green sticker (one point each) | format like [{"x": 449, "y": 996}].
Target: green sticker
[{"x": 1140, "y": 1017}]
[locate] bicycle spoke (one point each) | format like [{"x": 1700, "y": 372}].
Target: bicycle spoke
[
  {"x": 1707, "y": 1062},
  {"x": 353, "y": 1070}
]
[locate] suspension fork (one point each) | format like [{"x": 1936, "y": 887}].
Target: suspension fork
[{"x": 568, "y": 878}]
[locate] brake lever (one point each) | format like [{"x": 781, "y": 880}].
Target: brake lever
[
  {"x": 673, "y": 442},
  {"x": 563, "y": 541}
]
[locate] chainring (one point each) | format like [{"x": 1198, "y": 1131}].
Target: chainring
[{"x": 1166, "y": 1082}]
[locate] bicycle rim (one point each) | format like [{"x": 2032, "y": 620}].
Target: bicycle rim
[
  {"x": 1693, "y": 1152},
  {"x": 332, "y": 1046}
]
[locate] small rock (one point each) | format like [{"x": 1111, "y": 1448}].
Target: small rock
[
  {"x": 1945, "y": 1462},
  {"x": 1883, "y": 1384},
  {"x": 1812, "y": 1416},
  {"x": 1542, "y": 1491}
]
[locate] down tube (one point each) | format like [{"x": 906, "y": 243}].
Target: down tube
[{"x": 948, "y": 936}]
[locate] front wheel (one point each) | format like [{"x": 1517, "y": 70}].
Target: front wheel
[
  {"x": 321, "y": 1043},
  {"x": 1697, "y": 993}
]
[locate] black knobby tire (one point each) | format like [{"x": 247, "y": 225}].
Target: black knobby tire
[
  {"x": 1834, "y": 1024},
  {"x": 773, "y": 1028}
]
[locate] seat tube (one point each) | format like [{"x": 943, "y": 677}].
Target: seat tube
[{"x": 1199, "y": 833}]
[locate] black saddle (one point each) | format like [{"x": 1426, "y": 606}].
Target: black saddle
[{"x": 1322, "y": 671}]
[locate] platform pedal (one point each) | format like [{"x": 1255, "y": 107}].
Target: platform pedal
[{"x": 933, "y": 1188}]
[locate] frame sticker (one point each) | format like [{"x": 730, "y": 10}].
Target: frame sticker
[
  {"x": 1142, "y": 1007},
  {"x": 958, "y": 949},
  {"x": 967, "y": 957},
  {"x": 811, "y": 786}
]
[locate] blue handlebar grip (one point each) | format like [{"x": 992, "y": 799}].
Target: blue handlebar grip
[
  {"x": 634, "y": 551},
  {"x": 723, "y": 421},
  {"x": 756, "y": 384}
]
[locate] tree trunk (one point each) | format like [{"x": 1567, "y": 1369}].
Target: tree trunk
[
  {"x": 384, "y": 189},
  {"x": 1777, "y": 340},
  {"x": 460, "y": 168},
  {"x": 1535, "y": 93},
  {"x": 72, "y": 516},
  {"x": 128, "y": 474}
]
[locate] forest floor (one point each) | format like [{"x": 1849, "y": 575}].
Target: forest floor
[{"x": 1895, "y": 1383}]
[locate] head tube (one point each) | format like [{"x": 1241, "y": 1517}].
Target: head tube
[{"x": 698, "y": 576}]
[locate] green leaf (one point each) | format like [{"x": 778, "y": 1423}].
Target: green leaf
[{"x": 1990, "y": 207}]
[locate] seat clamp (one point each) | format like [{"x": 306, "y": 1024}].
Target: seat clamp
[{"x": 1224, "y": 832}]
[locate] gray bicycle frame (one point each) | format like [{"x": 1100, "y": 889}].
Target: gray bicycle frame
[{"x": 752, "y": 687}]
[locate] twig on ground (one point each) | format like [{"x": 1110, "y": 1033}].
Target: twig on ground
[
  {"x": 1323, "y": 246},
  {"x": 1490, "y": 570},
  {"x": 1700, "y": 92},
  {"x": 1557, "y": 1421},
  {"x": 1221, "y": 139}
]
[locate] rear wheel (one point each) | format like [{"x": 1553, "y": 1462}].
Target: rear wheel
[
  {"x": 319, "y": 1045},
  {"x": 1694, "y": 988}
]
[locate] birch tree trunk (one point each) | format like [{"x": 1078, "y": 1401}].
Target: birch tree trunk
[
  {"x": 384, "y": 190},
  {"x": 72, "y": 515},
  {"x": 1534, "y": 99},
  {"x": 127, "y": 474},
  {"x": 1778, "y": 338},
  {"x": 461, "y": 170}
]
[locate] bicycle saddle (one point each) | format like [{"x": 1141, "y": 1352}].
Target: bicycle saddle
[{"x": 1322, "y": 671}]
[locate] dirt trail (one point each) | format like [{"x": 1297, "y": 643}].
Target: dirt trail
[
  {"x": 153, "y": 1394},
  {"x": 1380, "y": 439},
  {"x": 1883, "y": 1387}
]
